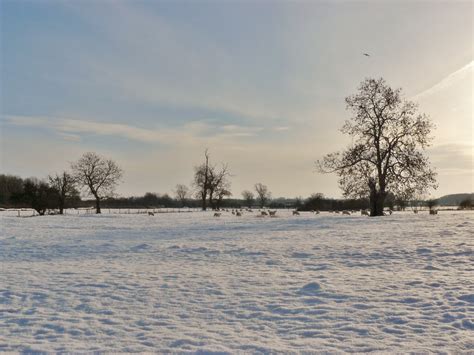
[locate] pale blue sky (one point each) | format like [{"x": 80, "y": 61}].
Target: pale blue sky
[{"x": 260, "y": 83}]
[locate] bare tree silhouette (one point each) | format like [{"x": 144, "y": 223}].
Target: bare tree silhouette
[
  {"x": 98, "y": 175},
  {"x": 389, "y": 137}
]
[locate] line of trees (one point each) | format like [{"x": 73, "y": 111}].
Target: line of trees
[
  {"x": 93, "y": 174},
  {"x": 53, "y": 193},
  {"x": 60, "y": 191}
]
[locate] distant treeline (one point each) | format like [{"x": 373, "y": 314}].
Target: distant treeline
[
  {"x": 40, "y": 195},
  {"x": 16, "y": 192}
]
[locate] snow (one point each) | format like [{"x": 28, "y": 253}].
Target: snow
[{"x": 191, "y": 282}]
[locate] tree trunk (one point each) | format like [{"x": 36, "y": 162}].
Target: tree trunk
[
  {"x": 203, "y": 201},
  {"x": 211, "y": 200},
  {"x": 61, "y": 207},
  {"x": 97, "y": 205},
  {"x": 377, "y": 200}
]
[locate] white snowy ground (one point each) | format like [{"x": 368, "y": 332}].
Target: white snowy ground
[{"x": 192, "y": 282}]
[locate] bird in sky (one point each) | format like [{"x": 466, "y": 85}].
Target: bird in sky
[{"x": 366, "y": 54}]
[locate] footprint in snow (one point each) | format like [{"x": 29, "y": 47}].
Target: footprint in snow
[
  {"x": 467, "y": 324},
  {"x": 301, "y": 255},
  {"x": 467, "y": 298},
  {"x": 312, "y": 288},
  {"x": 423, "y": 251},
  {"x": 140, "y": 247}
]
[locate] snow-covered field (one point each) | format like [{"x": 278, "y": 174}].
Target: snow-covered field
[{"x": 192, "y": 282}]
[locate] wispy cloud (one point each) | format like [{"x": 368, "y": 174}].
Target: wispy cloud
[
  {"x": 460, "y": 74},
  {"x": 188, "y": 133},
  {"x": 281, "y": 128},
  {"x": 454, "y": 158}
]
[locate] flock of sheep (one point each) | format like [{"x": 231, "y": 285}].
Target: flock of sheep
[
  {"x": 263, "y": 212},
  {"x": 270, "y": 213}
]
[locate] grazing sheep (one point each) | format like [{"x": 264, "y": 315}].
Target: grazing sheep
[
  {"x": 217, "y": 214},
  {"x": 415, "y": 211},
  {"x": 238, "y": 214},
  {"x": 346, "y": 212},
  {"x": 433, "y": 211},
  {"x": 264, "y": 213},
  {"x": 272, "y": 213},
  {"x": 151, "y": 214},
  {"x": 296, "y": 213},
  {"x": 316, "y": 212}
]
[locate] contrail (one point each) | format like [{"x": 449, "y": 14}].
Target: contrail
[{"x": 447, "y": 81}]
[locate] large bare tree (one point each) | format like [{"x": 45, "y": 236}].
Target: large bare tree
[
  {"x": 386, "y": 154},
  {"x": 98, "y": 175},
  {"x": 65, "y": 187}
]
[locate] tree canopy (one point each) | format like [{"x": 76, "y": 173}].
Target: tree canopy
[
  {"x": 389, "y": 137},
  {"x": 98, "y": 175}
]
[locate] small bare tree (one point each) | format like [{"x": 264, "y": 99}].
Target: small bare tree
[
  {"x": 65, "y": 187},
  {"x": 218, "y": 184},
  {"x": 201, "y": 180},
  {"x": 211, "y": 182},
  {"x": 389, "y": 137},
  {"x": 98, "y": 175},
  {"x": 223, "y": 190},
  {"x": 263, "y": 195},
  {"x": 182, "y": 192},
  {"x": 249, "y": 198}
]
